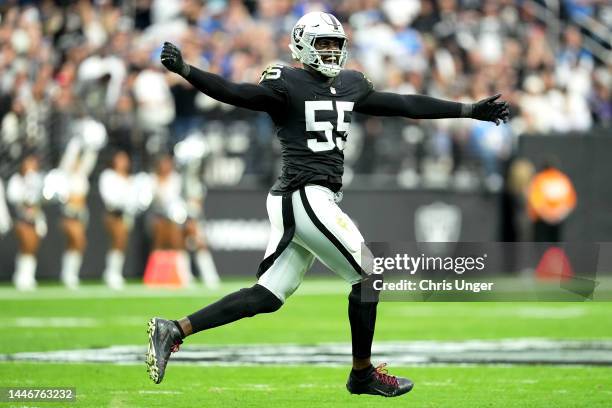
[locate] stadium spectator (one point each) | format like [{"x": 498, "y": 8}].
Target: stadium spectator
[
  {"x": 102, "y": 54},
  {"x": 600, "y": 100},
  {"x": 551, "y": 199},
  {"x": 513, "y": 201}
]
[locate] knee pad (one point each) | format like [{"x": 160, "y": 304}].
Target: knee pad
[{"x": 260, "y": 300}]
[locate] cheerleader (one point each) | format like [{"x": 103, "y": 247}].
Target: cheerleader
[
  {"x": 169, "y": 212},
  {"x": 190, "y": 153},
  {"x": 5, "y": 217},
  {"x": 118, "y": 195},
  {"x": 195, "y": 241},
  {"x": 76, "y": 165},
  {"x": 24, "y": 193}
]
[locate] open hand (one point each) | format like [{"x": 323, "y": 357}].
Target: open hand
[{"x": 490, "y": 110}]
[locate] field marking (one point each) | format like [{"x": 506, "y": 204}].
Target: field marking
[
  {"x": 313, "y": 285},
  {"x": 70, "y": 321},
  {"x": 506, "y": 352},
  {"x": 438, "y": 383},
  {"x": 137, "y": 290},
  {"x": 56, "y": 322},
  {"x": 534, "y": 311},
  {"x": 160, "y": 392}
]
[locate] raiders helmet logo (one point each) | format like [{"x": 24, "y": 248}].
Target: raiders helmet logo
[{"x": 298, "y": 31}]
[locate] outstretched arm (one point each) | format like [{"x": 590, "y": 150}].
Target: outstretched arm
[
  {"x": 249, "y": 96},
  {"x": 425, "y": 107}
]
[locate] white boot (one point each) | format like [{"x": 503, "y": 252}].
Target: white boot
[
  {"x": 25, "y": 270},
  {"x": 71, "y": 265},
  {"x": 113, "y": 274},
  {"x": 208, "y": 271}
]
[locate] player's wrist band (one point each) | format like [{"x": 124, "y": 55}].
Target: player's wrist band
[
  {"x": 466, "y": 110},
  {"x": 185, "y": 69}
]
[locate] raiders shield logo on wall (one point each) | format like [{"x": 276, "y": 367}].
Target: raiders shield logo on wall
[
  {"x": 437, "y": 222},
  {"x": 437, "y": 227}
]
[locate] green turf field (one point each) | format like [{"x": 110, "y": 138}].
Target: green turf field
[{"x": 56, "y": 319}]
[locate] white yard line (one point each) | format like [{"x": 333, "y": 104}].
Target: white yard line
[
  {"x": 160, "y": 392},
  {"x": 71, "y": 321},
  {"x": 136, "y": 290},
  {"x": 534, "y": 311},
  {"x": 505, "y": 351}
]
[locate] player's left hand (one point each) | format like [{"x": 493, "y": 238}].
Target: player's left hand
[{"x": 490, "y": 110}]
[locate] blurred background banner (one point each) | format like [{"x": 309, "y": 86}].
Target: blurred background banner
[
  {"x": 237, "y": 222},
  {"x": 237, "y": 228}
]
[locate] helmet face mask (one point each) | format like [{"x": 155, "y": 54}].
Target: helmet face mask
[{"x": 312, "y": 27}]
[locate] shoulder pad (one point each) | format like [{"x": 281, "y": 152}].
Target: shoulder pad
[
  {"x": 367, "y": 80},
  {"x": 363, "y": 79},
  {"x": 358, "y": 75},
  {"x": 272, "y": 72}
]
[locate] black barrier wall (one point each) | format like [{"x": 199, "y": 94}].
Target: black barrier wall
[
  {"x": 586, "y": 160},
  {"x": 237, "y": 220},
  {"x": 238, "y": 227}
]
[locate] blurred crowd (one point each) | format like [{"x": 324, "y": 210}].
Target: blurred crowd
[{"x": 65, "y": 60}]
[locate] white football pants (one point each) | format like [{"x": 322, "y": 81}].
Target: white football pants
[{"x": 308, "y": 224}]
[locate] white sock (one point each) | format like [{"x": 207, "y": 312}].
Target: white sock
[
  {"x": 113, "y": 274},
  {"x": 25, "y": 270},
  {"x": 71, "y": 265},
  {"x": 208, "y": 271},
  {"x": 184, "y": 267}
]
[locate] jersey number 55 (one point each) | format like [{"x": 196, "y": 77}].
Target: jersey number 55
[{"x": 325, "y": 126}]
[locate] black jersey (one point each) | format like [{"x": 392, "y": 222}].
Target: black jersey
[
  {"x": 313, "y": 115},
  {"x": 314, "y": 126}
]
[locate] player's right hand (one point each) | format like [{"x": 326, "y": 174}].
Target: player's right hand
[{"x": 172, "y": 59}]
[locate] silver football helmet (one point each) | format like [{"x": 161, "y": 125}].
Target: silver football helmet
[{"x": 303, "y": 36}]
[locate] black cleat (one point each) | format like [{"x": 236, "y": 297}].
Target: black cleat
[
  {"x": 378, "y": 382},
  {"x": 164, "y": 339}
]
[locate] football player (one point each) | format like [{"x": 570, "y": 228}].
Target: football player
[{"x": 312, "y": 109}]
